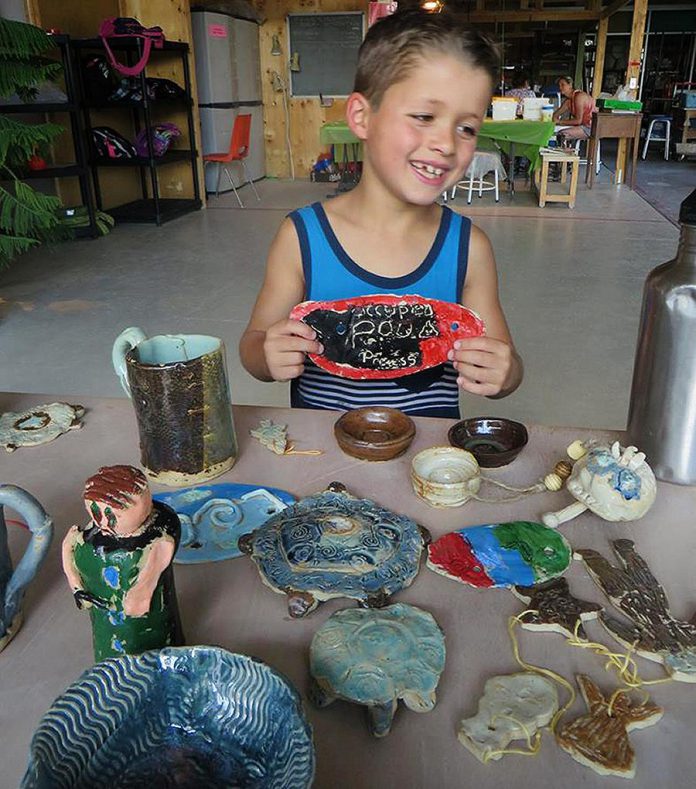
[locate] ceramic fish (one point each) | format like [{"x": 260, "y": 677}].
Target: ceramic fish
[
  {"x": 600, "y": 739},
  {"x": 271, "y": 436},
  {"x": 501, "y": 554},
  {"x": 385, "y": 336}
]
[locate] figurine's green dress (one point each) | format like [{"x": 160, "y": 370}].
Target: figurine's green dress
[{"x": 108, "y": 567}]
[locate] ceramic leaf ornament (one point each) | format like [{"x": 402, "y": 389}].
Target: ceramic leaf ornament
[
  {"x": 375, "y": 657},
  {"x": 513, "y": 707},
  {"x": 613, "y": 481},
  {"x": 599, "y": 739},
  {"x": 551, "y": 607},
  {"x": 654, "y": 633},
  {"x": 385, "y": 336},
  {"x": 38, "y": 424}
]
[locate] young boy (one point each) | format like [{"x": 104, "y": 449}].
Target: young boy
[{"x": 422, "y": 88}]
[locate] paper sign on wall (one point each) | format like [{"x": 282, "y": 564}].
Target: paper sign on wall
[{"x": 217, "y": 31}]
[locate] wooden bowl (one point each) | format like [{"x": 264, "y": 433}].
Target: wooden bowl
[
  {"x": 493, "y": 441},
  {"x": 375, "y": 433}
]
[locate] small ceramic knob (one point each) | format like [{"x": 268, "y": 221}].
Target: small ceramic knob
[{"x": 576, "y": 450}]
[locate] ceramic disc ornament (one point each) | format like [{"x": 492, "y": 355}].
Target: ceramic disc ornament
[
  {"x": 612, "y": 481},
  {"x": 214, "y": 517},
  {"x": 38, "y": 424},
  {"x": 376, "y": 657},
  {"x": 385, "y": 336},
  {"x": 501, "y": 554},
  {"x": 334, "y": 545}
]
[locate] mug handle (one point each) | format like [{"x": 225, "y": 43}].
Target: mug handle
[
  {"x": 41, "y": 528},
  {"x": 127, "y": 340}
]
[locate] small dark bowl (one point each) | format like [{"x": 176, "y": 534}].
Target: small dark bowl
[
  {"x": 376, "y": 433},
  {"x": 493, "y": 441}
]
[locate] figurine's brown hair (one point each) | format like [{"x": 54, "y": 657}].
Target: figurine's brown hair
[
  {"x": 394, "y": 46},
  {"x": 115, "y": 485}
]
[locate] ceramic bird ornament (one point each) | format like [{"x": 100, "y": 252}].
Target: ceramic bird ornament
[
  {"x": 612, "y": 481},
  {"x": 653, "y": 632},
  {"x": 552, "y": 608}
]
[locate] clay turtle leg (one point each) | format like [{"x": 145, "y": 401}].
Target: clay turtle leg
[
  {"x": 300, "y": 603},
  {"x": 319, "y": 696},
  {"x": 419, "y": 702},
  {"x": 380, "y": 717}
]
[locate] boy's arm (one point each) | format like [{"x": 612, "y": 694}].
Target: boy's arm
[
  {"x": 273, "y": 347},
  {"x": 487, "y": 365}
]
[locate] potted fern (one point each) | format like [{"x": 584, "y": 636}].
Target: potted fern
[{"x": 27, "y": 217}]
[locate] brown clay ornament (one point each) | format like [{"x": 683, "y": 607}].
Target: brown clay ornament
[
  {"x": 551, "y": 607},
  {"x": 599, "y": 740},
  {"x": 633, "y": 589}
]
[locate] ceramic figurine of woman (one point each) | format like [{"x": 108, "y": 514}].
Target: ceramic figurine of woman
[{"x": 119, "y": 565}]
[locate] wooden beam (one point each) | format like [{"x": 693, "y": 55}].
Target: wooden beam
[
  {"x": 480, "y": 5},
  {"x": 617, "y": 5},
  {"x": 635, "y": 49},
  {"x": 534, "y": 16},
  {"x": 600, "y": 53}
]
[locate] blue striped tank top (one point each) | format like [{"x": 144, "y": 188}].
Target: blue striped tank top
[{"x": 330, "y": 273}]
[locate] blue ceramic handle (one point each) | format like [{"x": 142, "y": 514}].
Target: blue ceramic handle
[
  {"x": 126, "y": 341},
  {"x": 41, "y": 527}
]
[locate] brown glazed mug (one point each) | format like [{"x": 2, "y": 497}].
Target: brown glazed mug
[{"x": 179, "y": 389}]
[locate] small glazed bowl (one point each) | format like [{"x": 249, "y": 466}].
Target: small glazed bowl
[
  {"x": 375, "y": 433},
  {"x": 445, "y": 476},
  {"x": 493, "y": 441}
]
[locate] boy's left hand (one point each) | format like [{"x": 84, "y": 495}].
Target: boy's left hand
[{"x": 486, "y": 366}]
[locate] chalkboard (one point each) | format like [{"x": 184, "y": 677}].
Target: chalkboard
[{"x": 327, "y": 45}]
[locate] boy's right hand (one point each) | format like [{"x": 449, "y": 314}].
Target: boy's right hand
[{"x": 285, "y": 346}]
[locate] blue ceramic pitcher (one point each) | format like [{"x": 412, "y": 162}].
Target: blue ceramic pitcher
[{"x": 13, "y": 584}]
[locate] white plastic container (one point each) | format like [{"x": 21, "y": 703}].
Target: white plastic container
[
  {"x": 504, "y": 108},
  {"x": 547, "y": 112},
  {"x": 531, "y": 109}
]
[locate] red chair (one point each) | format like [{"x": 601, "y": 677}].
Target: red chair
[{"x": 239, "y": 150}]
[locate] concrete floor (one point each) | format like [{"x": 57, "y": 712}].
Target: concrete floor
[{"x": 570, "y": 284}]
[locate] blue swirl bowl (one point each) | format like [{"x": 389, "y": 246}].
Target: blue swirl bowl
[{"x": 184, "y": 717}]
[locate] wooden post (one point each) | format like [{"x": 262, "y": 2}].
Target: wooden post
[
  {"x": 600, "y": 53},
  {"x": 640, "y": 12}
]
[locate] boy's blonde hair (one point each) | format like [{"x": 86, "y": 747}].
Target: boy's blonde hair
[{"x": 393, "y": 47}]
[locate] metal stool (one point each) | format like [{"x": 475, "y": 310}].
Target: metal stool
[
  {"x": 483, "y": 163},
  {"x": 598, "y": 154},
  {"x": 666, "y": 120}
]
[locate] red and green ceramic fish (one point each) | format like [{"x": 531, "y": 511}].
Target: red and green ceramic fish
[{"x": 501, "y": 554}]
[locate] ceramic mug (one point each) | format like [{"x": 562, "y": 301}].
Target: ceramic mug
[
  {"x": 179, "y": 389},
  {"x": 13, "y": 584}
]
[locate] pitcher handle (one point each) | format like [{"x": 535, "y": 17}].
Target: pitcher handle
[
  {"x": 127, "y": 340},
  {"x": 41, "y": 527}
]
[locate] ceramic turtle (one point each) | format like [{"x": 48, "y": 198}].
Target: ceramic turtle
[
  {"x": 376, "y": 657},
  {"x": 335, "y": 545}
]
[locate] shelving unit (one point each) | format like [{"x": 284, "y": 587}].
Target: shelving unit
[
  {"x": 151, "y": 207},
  {"x": 79, "y": 168}
]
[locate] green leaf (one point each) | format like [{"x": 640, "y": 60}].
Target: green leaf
[
  {"x": 11, "y": 246},
  {"x": 18, "y": 140},
  {"x": 17, "y": 76},
  {"x": 19, "y": 38}
]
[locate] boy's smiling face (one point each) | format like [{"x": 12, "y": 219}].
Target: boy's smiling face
[{"x": 422, "y": 137}]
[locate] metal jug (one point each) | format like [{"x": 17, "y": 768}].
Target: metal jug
[
  {"x": 662, "y": 413},
  {"x": 13, "y": 584},
  {"x": 178, "y": 386}
]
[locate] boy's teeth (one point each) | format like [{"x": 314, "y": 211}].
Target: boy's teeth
[{"x": 429, "y": 169}]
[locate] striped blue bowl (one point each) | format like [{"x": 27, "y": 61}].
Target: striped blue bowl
[{"x": 174, "y": 717}]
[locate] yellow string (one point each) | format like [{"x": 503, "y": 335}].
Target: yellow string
[
  {"x": 516, "y": 620},
  {"x": 624, "y": 665},
  {"x": 292, "y": 451},
  {"x": 533, "y": 747}
]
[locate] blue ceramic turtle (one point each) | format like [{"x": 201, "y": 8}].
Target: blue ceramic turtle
[
  {"x": 335, "y": 545},
  {"x": 376, "y": 657}
]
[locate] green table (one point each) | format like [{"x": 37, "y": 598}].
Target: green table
[
  {"x": 338, "y": 134},
  {"x": 514, "y": 138}
]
